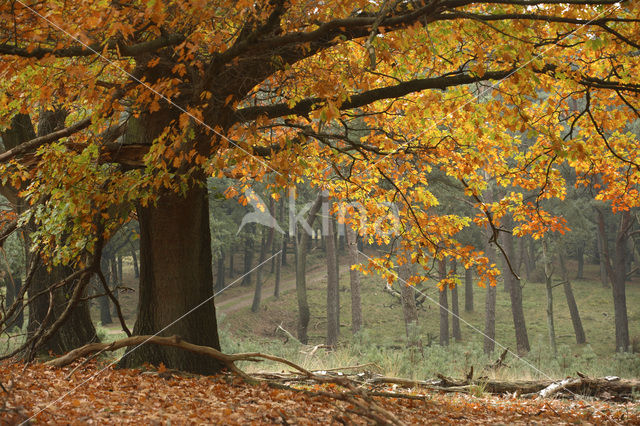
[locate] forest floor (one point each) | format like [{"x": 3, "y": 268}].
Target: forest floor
[
  {"x": 159, "y": 396},
  {"x": 93, "y": 394}
]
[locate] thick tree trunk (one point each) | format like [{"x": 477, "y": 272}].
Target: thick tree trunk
[
  {"x": 444, "y": 305},
  {"x": 301, "y": 272},
  {"x": 571, "y": 302},
  {"x": 455, "y": 307},
  {"x": 333, "y": 291},
  {"x": 176, "y": 282},
  {"x": 409, "y": 309},
  {"x": 515, "y": 292},
  {"x": 354, "y": 276},
  {"x": 468, "y": 290},
  {"x": 78, "y": 330},
  {"x": 548, "y": 273}
]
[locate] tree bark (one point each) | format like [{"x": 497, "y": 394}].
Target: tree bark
[
  {"x": 548, "y": 274},
  {"x": 267, "y": 242},
  {"x": 515, "y": 291},
  {"x": 279, "y": 257},
  {"x": 455, "y": 309},
  {"x": 78, "y": 329},
  {"x": 333, "y": 291},
  {"x": 176, "y": 281},
  {"x": 444, "y": 305},
  {"x": 468, "y": 290},
  {"x": 220, "y": 272},
  {"x": 571, "y": 302},
  {"x": 115, "y": 282},
  {"x": 601, "y": 257},
  {"x": 580, "y": 256},
  {"x": 136, "y": 268},
  {"x": 232, "y": 253},
  {"x": 409, "y": 309},
  {"x": 301, "y": 274},
  {"x": 248, "y": 255},
  {"x": 13, "y": 285},
  {"x": 617, "y": 272},
  {"x": 490, "y": 309},
  {"x": 103, "y": 302},
  {"x": 354, "y": 276}
]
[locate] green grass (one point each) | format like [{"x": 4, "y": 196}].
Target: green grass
[{"x": 383, "y": 339}]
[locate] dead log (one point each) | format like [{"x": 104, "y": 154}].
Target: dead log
[{"x": 175, "y": 341}]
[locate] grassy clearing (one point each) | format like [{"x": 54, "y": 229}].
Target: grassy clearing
[{"x": 382, "y": 342}]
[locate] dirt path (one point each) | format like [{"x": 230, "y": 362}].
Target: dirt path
[{"x": 227, "y": 306}]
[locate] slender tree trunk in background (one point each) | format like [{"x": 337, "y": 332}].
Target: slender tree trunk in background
[
  {"x": 257, "y": 294},
  {"x": 285, "y": 240},
  {"x": 278, "y": 273},
  {"x": 444, "y": 305},
  {"x": 78, "y": 330},
  {"x": 601, "y": 257},
  {"x": 617, "y": 272},
  {"x": 248, "y": 255},
  {"x": 571, "y": 302},
  {"x": 468, "y": 290},
  {"x": 175, "y": 278},
  {"x": 524, "y": 256},
  {"x": 104, "y": 302},
  {"x": 490, "y": 309},
  {"x": 304, "y": 314},
  {"x": 333, "y": 291},
  {"x": 115, "y": 282},
  {"x": 270, "y": 232},
  {"x": 13, "y": 284},
  {"x": 455, "y": 309},
  {"x": 548, "y": 274},
  {"x": 580, "y": 255},
  {"x": 280, "y": 257},
  {"x": 220, "y": 272},
  {"x": 354, "y": 277},
  {"x": 120, "y": 276},
  {"x": 232, "y": 253},
  {"x": 515, "y": 290},
  {"x": 409, "y": 309},
  {"x": 136, "y": 268},
  {"x": 531, "y": 254}
]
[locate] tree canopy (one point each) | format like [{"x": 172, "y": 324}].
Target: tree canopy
[{"x": 366, "y": 99}]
